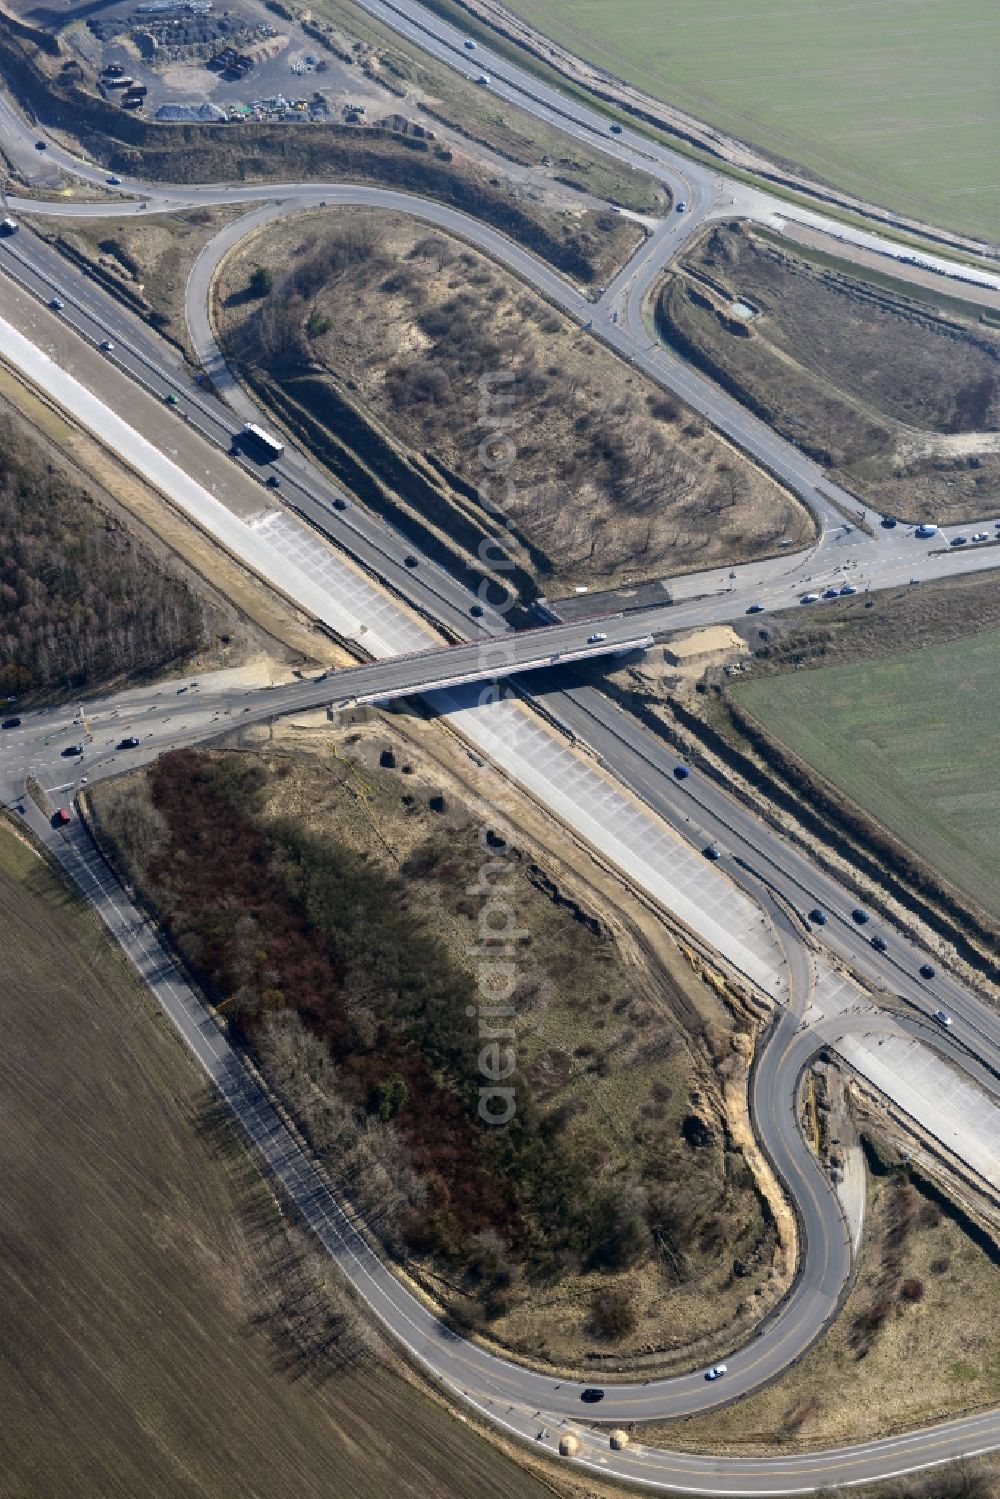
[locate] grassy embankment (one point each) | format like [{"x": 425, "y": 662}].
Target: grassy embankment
[
  {"x": 913, "y": 740},
  {"x": 710, "y": 720},
  {"x": 445, "y": 94},
  {"x": 897, "y": 394},
  {"x": 515, "y": 203},
  {"x": 614, "y": 1213},
  {"x": 877, "y": 106},
  {"x": 144, "y": 262},
  {"x": 911, "y": 1345},
  {"x": 601, "y": 475},
  {"x": 158, "y": 1312}
]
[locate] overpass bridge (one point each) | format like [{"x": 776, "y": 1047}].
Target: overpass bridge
[{"x": 489, "y": 659}]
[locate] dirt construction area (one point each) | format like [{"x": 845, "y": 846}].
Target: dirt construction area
[
  {"x": 514, "y": 417},
  {"x": 897, "y": 392}
]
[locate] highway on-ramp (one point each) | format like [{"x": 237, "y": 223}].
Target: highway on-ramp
[
  {"x": 527, "y": 1401},
  {"x": 802, "y": 1317},
  {"x": 532, "y": 1405}
]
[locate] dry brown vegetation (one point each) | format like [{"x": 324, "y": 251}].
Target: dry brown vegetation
[
  {"x": 386, "y": 334},
  {"x": 865, "y": 628},
  {"x": 910, "y": 1346},
  {"x": 255, "y": 151},
  {"x": 58, "y": 78},
  {"x": 615, "y": 1212},
  {"x": 166, "y": 1332},
  {"x": 146, "y": 261},
  {"x": 80, "y": 602},
  {"x": 479, "y": 113},
  {"x": 899, "y": 398},
  {"x": 706, "y": 719}
]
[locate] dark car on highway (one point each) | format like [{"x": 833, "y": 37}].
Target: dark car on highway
[
  {"x": 711, "y": 852},
  {"x": 888, "y": 522},
  {"x": 476, "y": 611},
  {"x": 409, "y": 560},
  {"x": 755, "y": 609},
  {"x": 817, "y": 917},
  {"x": 61, "y": 818},
  {"x": 339, "y": 504},
  {"x": 860, "y": 916},
  {"x": 592, "y": 1396},
  {"x": 927, "y": 970},
  {"x": 130, "y": 743},
  {"x": 878, "y": 943},
  {"x": 73, "y": 749},
  {"x": 681, "y": 772},
  {"x": 12, "y": 723}
]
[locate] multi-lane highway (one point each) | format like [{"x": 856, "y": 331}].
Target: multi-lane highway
[
  {"x": 617, "y": 318},
  {"x": 697, "y": 808},
  {"x": 525, "y": 1401},
  {"x": 753, "y": 857},
  {"x": 539, "y": 1407},
  {"x": 844, "y": 553},
  {"x": 569, "y": 113}
]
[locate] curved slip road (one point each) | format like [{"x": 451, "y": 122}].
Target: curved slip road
[
  {"x": 507, "y": 1392},
  {"x": 801, "y": 1318},
  {"x": 616, "y": 318},
  {"x": 525, "y": 1402}
]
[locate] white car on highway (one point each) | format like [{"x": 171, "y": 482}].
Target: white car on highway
[
  {"x": 596, "y": 638},
  {"x": 717, "y": 1371}
]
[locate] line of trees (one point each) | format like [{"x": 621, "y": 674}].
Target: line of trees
[{"x": 80, "y": 601}]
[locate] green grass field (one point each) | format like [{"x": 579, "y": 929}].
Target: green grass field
[
  {"x": 914, "y": 739},
  {"x": 895, "y": 102}
]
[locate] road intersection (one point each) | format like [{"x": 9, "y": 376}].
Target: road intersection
[{"x": 528, "y": 1401}]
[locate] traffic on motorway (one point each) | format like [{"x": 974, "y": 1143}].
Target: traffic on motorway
[{"x": 788, "y": 888}]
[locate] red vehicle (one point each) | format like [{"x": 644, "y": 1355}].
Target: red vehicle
[{"x": 62, "y": 817}]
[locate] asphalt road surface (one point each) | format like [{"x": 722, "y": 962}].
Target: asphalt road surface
[
  {"x": 523, "y": 1399},
  {"x": 815, "y": 1296},
  {"x": 843, "y": 554},
  {"x": 533, "y": 1405}
]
